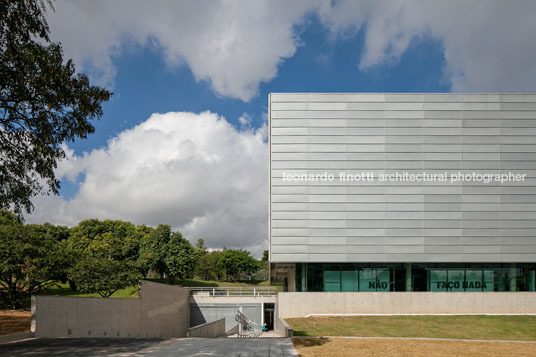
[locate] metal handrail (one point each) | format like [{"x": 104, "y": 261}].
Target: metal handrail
[
  {"x": 233, "y": 291},
  {"x": 247, "y": 328}
]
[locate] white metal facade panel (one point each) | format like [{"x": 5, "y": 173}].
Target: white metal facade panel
[{"x": 402, "y": 221}]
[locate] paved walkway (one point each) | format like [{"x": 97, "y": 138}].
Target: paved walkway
[
  {"x": 76, "y": 346},
  {"x": 228, "y": 347}
]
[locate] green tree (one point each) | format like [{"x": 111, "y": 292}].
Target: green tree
[
  {"x": 207, "y": 267},
  {"x": 30, "y": 260},
  {"x": 264, "y": 256},
  {"x": 102, "y": 275},
  {"x": 116, "y": 240},
  {"x": 237, "y": 264},
  {"x": 200, "y": 245},
  {"x": 180, "y": 258},
  {"x": 43, "y": 103},
  {"x": 158, "y": 241},
  {"x": 146, "y": 255},
  {"x": 106, "y": 243}
]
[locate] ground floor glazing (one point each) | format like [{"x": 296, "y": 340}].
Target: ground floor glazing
[{"x": 348, "y": 277}]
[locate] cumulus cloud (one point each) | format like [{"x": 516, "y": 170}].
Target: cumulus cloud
[
  {"x": 195, "y": 172},
  {"x": 233, "y": 45},
  {"x": 236, "y": 45},
  {"x": 488, "y": 45},
  {"x": 198, "y": 173}
]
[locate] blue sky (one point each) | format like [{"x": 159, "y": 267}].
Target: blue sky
[
  {"x": 144, "y": 84},
  {"x": 182, "y": 59}
]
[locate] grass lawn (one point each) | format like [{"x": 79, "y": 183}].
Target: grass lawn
[
  {"x": 60, "y": 289},
  {"x": 132, "y": 291},
  {"x": 352, "y": 347},
  {"x": 461, "y": 327}
]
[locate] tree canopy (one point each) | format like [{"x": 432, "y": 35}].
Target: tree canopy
[
  {"x": 43, "y": 103},
  {"x": 180, "y": 258},
  {"x": 103, "y": 256},
  {"x": 237, "y": 263},
  {"x": 31, "y": 259}
]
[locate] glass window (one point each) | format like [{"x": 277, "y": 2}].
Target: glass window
[
  {"x": 367, "y": 280},
  {"x": 489, "y": 280},
  {"x": 455, "y": 280},
  {"x": 315, "y": 277},
  {"x": 299, "y": 272},
  {"x": 383, "y": 280},
  {"x": 374, "y": 279},
  {"x": 419, "y": 280},
  {"x": 438, "y": 280},
  {"x": 332, "y": 277},
  {"x": 399, "y": 277},
  {"x": 349, "y": 279},
  {"x": 473, "y": 280}
]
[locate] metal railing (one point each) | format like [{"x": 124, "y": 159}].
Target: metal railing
[
  {"x": 247, "y": 328},
  {"x": 233, "y": 291}
]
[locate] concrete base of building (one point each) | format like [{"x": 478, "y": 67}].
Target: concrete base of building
[{"x": 405, "y": 303}]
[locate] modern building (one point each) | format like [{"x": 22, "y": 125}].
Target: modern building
[{"x": 403, "y": 192}]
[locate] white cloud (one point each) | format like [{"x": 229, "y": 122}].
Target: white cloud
[
  {"x": 245, "y": 121},
  {"x": 236, "y": 45},
  {"x": 195, "y": 172},
  {"x": 233, "y": 45},
  {"x": 488, "y": 45}
]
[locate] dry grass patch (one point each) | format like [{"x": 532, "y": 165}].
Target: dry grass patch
[
  {"x": 356, "y": 347},
  {"x": 14, "y": 322}
]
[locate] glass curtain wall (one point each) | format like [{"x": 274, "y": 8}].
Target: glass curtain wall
[{"x": 348, "y": 277}]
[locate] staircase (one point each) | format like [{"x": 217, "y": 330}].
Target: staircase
[{"x": 247, "y": 328}]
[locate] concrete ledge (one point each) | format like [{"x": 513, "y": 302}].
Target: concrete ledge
[
  {"x": 284, "y": 329},
  {"x": 16, "y": 337},
  {"x": 209, "y": 329},
  {"x": 205, "y": 299},
  {"x": 405, "y": 303}
]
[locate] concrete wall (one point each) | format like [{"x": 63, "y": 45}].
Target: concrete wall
[
  {"x": 209, "y": 329},
  {"x": 337, "y": 221},
  {"x": 283, "y": 328},
  {"x": 203, "y": 313},
  {"x": 165, "y": 309},
  {"x": 233, "y": 331},
  {"x": 302, "y": 304},
  {"x": 208, "y": 308},
  {"x": 160, "y": 311}
]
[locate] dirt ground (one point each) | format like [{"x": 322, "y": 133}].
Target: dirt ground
[
  {"x": 357, "y": 347},
  {"x": 14, "y": 321}
]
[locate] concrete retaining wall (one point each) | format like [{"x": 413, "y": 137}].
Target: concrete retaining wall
[
  {"x": 210, "y": 329},
  {"x": 160, "y": 311},
  {"x": 283, "y": 328},
  {"x": 232, "y": 331},
  {"x": 303, "y": 304},
  {"x": 205, "y": 309}
]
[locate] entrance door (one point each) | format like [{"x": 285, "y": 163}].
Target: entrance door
[{"x": 269, "y": 309}]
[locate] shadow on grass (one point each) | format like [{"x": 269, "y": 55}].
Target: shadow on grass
[
  {"x": 298, "y": 333},
  {"x": 59, "y": 289},
  {"x": 309, "y": 342}
]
